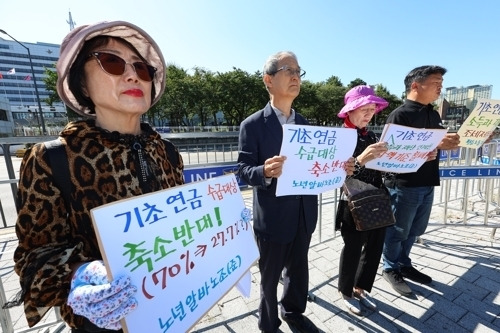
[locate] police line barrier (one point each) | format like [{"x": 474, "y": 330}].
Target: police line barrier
[
  {"x": 196, "y": 173},
  {"x": 469, "y": 172},
  {"x": 474, "y": 183},
  {"x": 465, "y": 176},
  {"x": 470, "y": 185}
]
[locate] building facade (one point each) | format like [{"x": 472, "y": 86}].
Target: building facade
[
  {"x": 455, "y": 104},
  {"x": 6, "y": 123},
  {"x": 17, "y": 82},
  {"x": 465, "y": 96}
]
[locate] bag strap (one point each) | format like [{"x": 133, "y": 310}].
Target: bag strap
[
  {"x": 171, "y": 153},
  {"x": 58, "y": 160}
]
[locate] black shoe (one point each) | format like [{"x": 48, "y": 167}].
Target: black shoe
[
  {"x": 411, "y": 273},
  {"x": 301, "y": 323},
  {"x": 397, "y": 282}
]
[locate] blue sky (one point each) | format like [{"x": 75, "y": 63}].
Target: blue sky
[{"x": 377, "y": 41}]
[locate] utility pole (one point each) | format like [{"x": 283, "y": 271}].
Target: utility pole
[
  {"x": 44, "y": 131},
  {"x": 71, "y": 22}
]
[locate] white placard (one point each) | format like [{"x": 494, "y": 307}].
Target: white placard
[
  {"x": 184, "y": 248},
  {"x": 407, "y": 148},
  {"x": 315, "y": 158}
]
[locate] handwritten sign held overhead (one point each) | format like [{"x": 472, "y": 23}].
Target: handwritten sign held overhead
[
  {"x": 480, "y": 124},
  {"x": 315, "y": 158},
  {"x": 183, "y": 248},
  {"x": 407, "y": 148}
]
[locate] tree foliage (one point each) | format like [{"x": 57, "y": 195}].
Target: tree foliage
[
  {"x": 355, "y": 82},
  {"x": 334, "y": 81},
  {"x": 394, "y": 102},
  {"x": 198, "y": 96},
  {"x": 239, "y": 94},
  {"x": 50, "y": 81}
]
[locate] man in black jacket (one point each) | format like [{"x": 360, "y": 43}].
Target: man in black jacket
[
  {"x": 412, "y": 194},
  {"x": 283, "y": 225}
]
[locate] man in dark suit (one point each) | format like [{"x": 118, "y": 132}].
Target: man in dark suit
[{"x": 283, "y": 225}]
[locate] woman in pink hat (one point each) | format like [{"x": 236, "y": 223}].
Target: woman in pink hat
[
  {"x": 111, "y": 73},
  {"x": 362, "y": 250}
]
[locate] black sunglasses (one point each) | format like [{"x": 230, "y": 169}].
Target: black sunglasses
[{"x": 114, "y": 65}]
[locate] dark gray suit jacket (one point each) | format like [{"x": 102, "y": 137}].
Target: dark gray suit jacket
[{"x": 274, "y": 218}]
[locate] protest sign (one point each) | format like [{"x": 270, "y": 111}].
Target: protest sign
[
  {"x": 183, "y": 248},
  {"x": 480, "y": 124},
  {"x": 315, "y": 158},
  {"x": 407, "y": 148}
]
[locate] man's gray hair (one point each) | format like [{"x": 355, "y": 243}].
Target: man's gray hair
[{"x": 271, "y": 65}]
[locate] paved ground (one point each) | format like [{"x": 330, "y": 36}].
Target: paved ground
[{"x": 464, "y": 296}]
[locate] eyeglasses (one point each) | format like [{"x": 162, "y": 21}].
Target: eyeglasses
[
  {"x": 292, "y": 71},
  {"x": 114, "y": 65}
]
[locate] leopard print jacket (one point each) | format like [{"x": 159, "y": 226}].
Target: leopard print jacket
[{"x": 104, "y": 167}]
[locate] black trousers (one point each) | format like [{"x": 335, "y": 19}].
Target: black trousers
[
  {"x": 360, "y": 256},
  {"x": 290, "y": 259}
]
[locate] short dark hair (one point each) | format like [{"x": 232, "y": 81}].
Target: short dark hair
[
  {"x": 77, "y": 81},
  {"x": 421, "y": 73}
]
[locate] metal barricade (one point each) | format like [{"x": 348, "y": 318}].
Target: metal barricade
[
  {"x": 469, "y": 196},
  {"x": 470, "y": 189},
  {"x": 56, "y": 323}
]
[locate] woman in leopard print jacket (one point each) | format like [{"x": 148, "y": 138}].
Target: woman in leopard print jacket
[{"x": 112, "y": 72}]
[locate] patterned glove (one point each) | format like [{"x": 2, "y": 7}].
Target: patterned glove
[
  {"x": 246, "y": 215},
  {"x": 102, "y": 302}
]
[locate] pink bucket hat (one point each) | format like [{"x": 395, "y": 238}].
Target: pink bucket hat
[
  {"x": 73, "y": 42},
  {"x": 360, "y": 96}
]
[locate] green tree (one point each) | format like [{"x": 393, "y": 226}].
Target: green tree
[
  {"x": 355, "y": 82},
  {"x": 210, "y": 98},
  {"x": 334, "y": 81},
  {"x": 201, "y": 102},
  {"x": 50, "y": 81},
  {"x": 394, "y": 102},
  {"x": 196, "y": 99},
  {"x": 331, "y": 100},
  {"x": 174, "y": 102},
  {"x": 307, "y": 101},
  {"x": 239, "y": 94}
]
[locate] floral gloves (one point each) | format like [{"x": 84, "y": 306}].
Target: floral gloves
[{"x": 102, "y": 302}]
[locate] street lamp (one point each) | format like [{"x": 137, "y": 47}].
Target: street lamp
[{"x": 34, "y": 80}]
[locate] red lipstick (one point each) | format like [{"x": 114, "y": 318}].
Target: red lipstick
[{"x": 134, "y": 92}]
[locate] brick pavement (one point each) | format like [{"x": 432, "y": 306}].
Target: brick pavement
[{"x": 463, "y": 297}]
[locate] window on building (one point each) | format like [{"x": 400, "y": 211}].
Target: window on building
[{"x": 3, "y": 115}]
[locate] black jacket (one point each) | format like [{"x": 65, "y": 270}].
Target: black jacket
[
  {"x": 414, "y": 114},
  {"x": 275, "y": 218}
]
